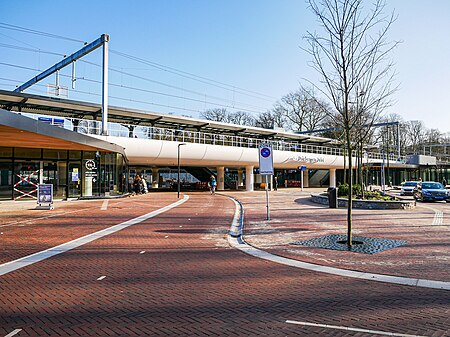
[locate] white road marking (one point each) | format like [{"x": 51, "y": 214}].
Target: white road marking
[
  {"x": 337, "y": 327},
  {"x": 13, "y": 333},
  {"x": 104, "y": 205},
  {"x": 8, "y": 267},
  {"x": 101, "y": 278},
  {"x": 142, "y": 252},
  {"x": 438, "y": 219},
  {"x": 238, "y": 242}
]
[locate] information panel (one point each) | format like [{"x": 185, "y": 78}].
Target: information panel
[
  {"x": 45, "y": 196},
  {"x": 265, "y": 159}
]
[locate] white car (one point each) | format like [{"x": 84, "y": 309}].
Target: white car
[{"x": 408, "y": 187}]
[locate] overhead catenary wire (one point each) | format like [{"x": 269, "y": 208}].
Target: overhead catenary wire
[
  {"x": 195, "y": 77},
  {"x": 37, "y": 32},
  {"x": 233, "y": 104},
  {"x": 149, "y": 91}
]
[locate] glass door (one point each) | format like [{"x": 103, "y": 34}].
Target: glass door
[
  {"x": 26, "y": 180},
  {"x": 74, "y": 179}
]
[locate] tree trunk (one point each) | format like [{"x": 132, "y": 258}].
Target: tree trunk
[{"x": 350, "y": 191}]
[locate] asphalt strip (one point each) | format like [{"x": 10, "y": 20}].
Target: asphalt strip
[
  {"x": 8, "y": 267},
  {"x": 236, "y": 240}
]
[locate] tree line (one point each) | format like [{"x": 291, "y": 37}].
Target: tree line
[{"x": 301, "y": 110}]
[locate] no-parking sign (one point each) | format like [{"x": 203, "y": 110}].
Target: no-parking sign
[{"x": 265, "y": 159}]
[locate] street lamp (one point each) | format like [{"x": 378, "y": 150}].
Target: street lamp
[{"x": 178, "y": 158}]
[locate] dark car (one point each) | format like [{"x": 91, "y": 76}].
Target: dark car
[{"x": 432, "y": 191}]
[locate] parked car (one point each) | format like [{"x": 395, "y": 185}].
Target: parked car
[
  {"x": 408, "y": 188},
  {"x": 430, "y": 190}
]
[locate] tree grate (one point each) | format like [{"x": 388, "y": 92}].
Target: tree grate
[{"x": 361, "y": 244}]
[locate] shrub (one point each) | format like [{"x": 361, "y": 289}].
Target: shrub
[{"x": 343, "y": 190}]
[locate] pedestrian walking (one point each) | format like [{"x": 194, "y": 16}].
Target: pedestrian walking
[
  {"x": 212, "y": 184},
  {"x": 275, "y": 183}
]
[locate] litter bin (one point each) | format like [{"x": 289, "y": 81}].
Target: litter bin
[{"x": 332, "y": 197}]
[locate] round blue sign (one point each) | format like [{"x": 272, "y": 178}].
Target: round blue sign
[{"x": 265, "y": 152}]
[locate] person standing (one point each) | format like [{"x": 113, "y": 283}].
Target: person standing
[
  {"x": 212, "y": 184},
  {"x": 275, "y": 183}
]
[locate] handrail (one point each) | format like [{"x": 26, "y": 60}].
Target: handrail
[{"x": 148, "y": 132}]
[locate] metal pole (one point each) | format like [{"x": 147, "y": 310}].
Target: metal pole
[
  {"x": 301, "y": 178},
  {"x": 105, "y": 86},
  {"x": 178, "y": 176},
  {"x": 398, "y": 141},
  {"x": 267, "y": 197}
]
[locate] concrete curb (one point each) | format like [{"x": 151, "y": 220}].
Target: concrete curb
[{"x": 236, "y": 240}]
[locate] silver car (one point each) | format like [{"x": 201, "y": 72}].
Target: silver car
[{"x": 408, "y": 188}]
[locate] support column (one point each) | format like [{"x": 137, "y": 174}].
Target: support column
[
  {"x": 306, "y": 178},
  {"x": 105, "y": 38},
  {"x": 155, "y": 177},
  {"x": 220, "y": 178},
  {"x": 41, "y": 172},
  {"x": 240, "y": 177},
  {"x": 249, "y": 178},
  {"x": 332, "y": 177}
]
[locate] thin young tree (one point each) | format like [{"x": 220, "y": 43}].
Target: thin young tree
[{"x": 351, "y": 56}]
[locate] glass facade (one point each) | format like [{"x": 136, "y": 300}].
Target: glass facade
[{"x": 73, "y": 174}]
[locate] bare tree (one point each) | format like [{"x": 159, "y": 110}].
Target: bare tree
[
  {"x": 217, "y": 114},
  {"x": 351, "y": 57},
  {"x": 302, "y": 109},
  {"x": 242, "y": 118},
  {"x": 416, "y": 133},
  {"x": 270, "y": 119}
]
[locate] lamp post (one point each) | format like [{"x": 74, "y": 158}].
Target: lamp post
[{"x": 178, "y": 158}]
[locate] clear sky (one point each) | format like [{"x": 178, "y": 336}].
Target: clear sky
[{"x": 243, "y": 44}]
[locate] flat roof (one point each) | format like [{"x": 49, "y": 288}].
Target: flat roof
[
  {"x": 21, "y": 102},
  {"x": 21, "y": 131}
]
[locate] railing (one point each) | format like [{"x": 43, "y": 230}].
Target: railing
[{"x": 147, "y": 132}]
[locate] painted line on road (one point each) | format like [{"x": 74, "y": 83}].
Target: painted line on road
[
  {"x": 238, "y": 242},
  {"x": 142, "y": 252},
  {"x": 104, "y": 205},
  {"x": 438, "y": 219},
  {"x": 13, "y": 333},
  {"x": 338, "y": 327},
  {"x": 8, "y": 267},
  {"x": 101, "y": 278}
]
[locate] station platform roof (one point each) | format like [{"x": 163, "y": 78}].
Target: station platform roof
[{"x": 29, "y": 103}]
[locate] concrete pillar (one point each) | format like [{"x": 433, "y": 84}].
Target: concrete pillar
[
  {"x": 271, "y": 182},
  {"x": 240, "y": 177},
  {"x": 249, "y": 178},
  {"x": 306, "y": 178},
  {"x": 332, "y": 177},
  {"x": 155, "y": 177},
  {"x": 220, "y": 178}
]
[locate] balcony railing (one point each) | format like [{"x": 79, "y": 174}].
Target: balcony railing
[{"x": 147, "y": 132}]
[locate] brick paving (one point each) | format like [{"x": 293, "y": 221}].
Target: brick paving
[
  {"x": 175, "y": 275},
  {"x": 295, "y": 218}
]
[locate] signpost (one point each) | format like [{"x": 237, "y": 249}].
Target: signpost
[
  {"x": 45, "y": 196},
  {"x": 266, "y": 168},
  {"x": 302, "y": 169}
]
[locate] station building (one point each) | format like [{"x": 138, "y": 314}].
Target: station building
[{"x": 59, "y": 141}]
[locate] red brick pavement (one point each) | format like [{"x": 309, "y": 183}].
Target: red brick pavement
[
  {"x": 190, "y": 283},
  {"x": 295, "y": 218}
]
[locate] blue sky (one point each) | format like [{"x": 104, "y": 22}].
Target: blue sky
[{"x": 251, "y": 44}]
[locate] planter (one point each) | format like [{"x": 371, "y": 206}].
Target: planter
[{"x": 366, "y": 204}]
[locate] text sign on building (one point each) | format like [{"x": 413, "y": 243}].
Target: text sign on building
[{"x": 265, "y": 159}]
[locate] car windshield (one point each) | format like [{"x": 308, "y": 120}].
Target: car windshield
[
  {"x": 410, "y": 183},
  {"x": 432, "y": 186}
]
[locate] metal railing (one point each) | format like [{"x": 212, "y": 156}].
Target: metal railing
[{"x": 155, "y": 133}]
